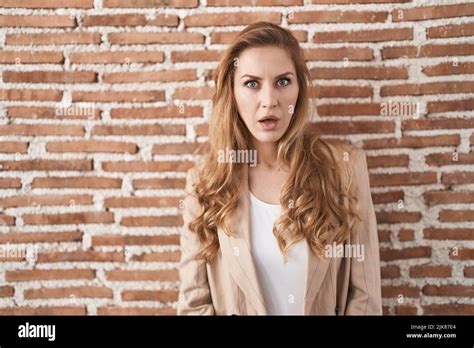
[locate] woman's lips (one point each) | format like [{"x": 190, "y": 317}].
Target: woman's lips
[{"x": 268, "y": 125}]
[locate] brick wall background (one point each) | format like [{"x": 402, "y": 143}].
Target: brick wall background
[{"x": 103, "y": 102}]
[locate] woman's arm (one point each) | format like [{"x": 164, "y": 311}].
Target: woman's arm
[
  {"x": 365, "y": 296},
  {"x": 195, "y": 295}
]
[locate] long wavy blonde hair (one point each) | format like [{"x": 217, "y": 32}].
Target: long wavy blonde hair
[{"x": 314, "y": 190}]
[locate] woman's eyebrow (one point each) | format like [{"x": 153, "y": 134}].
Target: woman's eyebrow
[{"x": 259, "y": 78}]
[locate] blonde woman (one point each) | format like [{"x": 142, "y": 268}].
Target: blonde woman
[{"x": 276, "y": 220}]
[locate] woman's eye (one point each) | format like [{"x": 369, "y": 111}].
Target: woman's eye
[
  {"x": 278, "y": 82},
  {"x": 248, "y": 82},
  {"x": 284, "y": 79}
]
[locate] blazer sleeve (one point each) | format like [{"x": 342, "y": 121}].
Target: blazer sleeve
[
  {"x": 195, "y": 295},
  {"x": 365, "y": 296}
]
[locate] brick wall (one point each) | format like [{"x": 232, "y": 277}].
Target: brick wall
[{"x": 103, "y": 102}]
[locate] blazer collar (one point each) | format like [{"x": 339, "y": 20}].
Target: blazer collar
[{"x": 236, "y": 251}]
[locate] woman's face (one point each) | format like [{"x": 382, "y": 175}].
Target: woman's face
[{"x": 265, "y": 84}]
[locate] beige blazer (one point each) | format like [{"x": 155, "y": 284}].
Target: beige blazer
[{"x": 229, "y": 284}]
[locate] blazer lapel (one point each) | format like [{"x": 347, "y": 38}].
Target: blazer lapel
[{"x": 236, "y": 250}]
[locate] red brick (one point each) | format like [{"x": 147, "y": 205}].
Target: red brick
[
  {"x": 388, "y": 161},
  {"x": 80, "y": 256},
  {"x": 428, "y": 88},
  {"x": 140, "y": 202},
  {"x": 158, "y": 221},
  {"x": 13, "y": 147},
  {"x": 69, "y": 292},
  {"x": 196, "y": 56},
  {"x": 10, "y": 183},
  {"x": 193, "y": 93},
  {"x": 50, "y": 4},
  {"x": 448, "y": 233},
  {"x": 45, "y": 200},
  {"x": 462, "y": 254},
  {"x": 7, "y": 291},
  {"x": 166, "y": 183},
  {"x": 463, "y": 49},
  {"x": 413, "y": 142},
  {"x": 37, "y": 21},
  {"x": 135, "y": 311},
  {"x": 394, "y": 217},
  {"x": 138, "y": 166},
  {"x": 142, "y": 275},
  {"x": 446, "y": 159},
  {"x": 405, "y": 310},
  {"x": 255, "y": 2},
  {"x": 151, "y": 76},
  {"x": 91, "y": 146},
  {"x": 406, "y": 253},
  {"x": 454, "y": 105},
  {"x": 448, "y": 309},
  {"x": 38, "y": 130},
  {"x": 421, "y": 178},
  {"x": 118, "y": 96},
  {"x": 331, "y": 54},
  {"x": 143, "y": 38},
  {"x": 40, "y": 237},
  {"x": 387, "y": 197},
  {"x": 158, "y": 112},
  {"x": 432, "y": 12},
  {"x": 30, "y": 94},
  {"x": 457, "y": 178},
  {"x": 227, "y": 18},
  {"x": 449, "y": 69},
  {"x": 31, "y": 57},
  {"x": 50, "y": 76},
  {"x": 46, "y": 311},
  {"x": 390, "y": 272},
  {"x": 116, "y": 57},
  {"x": 337, "y": 91},
  {"x": 446, "y": 31},
  {"x": 150, "y": 295},
  {"x": 171, "y": 256},
  {"x": 140, "y": 130},
  {"x": 456, "y": 215},
  {"x": 70, "y": 38},
  {"x": 150, "y": 3},
  {"x": 395, "y": 291},
  {"x": 110, "y": 239},
  {"x": 448, "y": 290},
  {"x": 406, "y": 235},
  {"x": 375, "y": 35},
  {"x": 365, "y": 73},
  {"x": 353, "y": 127},
  {"x": 446, "y": 197},
  {"x": 49, "y": 274},
  {"x": 69, "y": 218},
  {"x": 434, "y": 271},
  {"x": 174, "y": 148},
  {"x": 46, "y": 165},
  {"x": 77, "y": 182},
  {"x": 75, "y": 112},
  {"x": 337, "y": 17}
]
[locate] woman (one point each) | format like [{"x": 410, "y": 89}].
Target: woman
[{"x": 276, "y": 220}]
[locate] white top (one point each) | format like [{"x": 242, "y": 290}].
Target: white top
[{"x": 282, "y": 284}]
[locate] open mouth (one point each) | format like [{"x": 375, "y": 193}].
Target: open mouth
[{"x": 268, "y": 124}]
